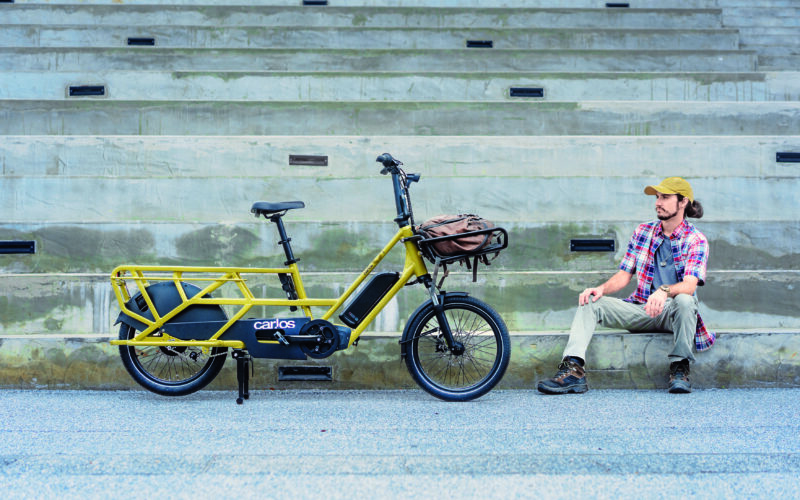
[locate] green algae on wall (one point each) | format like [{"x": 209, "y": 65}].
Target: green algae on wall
[
  {"x": 79, "y": 249},
  {"x": 219, "y": 244}
]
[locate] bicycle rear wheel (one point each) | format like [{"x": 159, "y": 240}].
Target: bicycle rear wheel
[
  {"x": 168, "y": 370},
  {"x": 460, "y": 376}
]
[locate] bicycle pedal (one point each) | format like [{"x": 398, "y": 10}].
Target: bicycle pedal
[{"x": 280, "y": 338}]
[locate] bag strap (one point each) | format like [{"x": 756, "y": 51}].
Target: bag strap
[
  {"x": 478, "y": 259},
  {"x": 470, "y": 267},
  {"x": 427, "y": 225},
  {"x": 437, "y": 265}
]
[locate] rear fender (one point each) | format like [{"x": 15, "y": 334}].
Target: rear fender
[{"x": 165, "y": 297}]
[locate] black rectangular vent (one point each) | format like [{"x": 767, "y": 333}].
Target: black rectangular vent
[
  {"x": 480, "y": 44},
  {"x": 141, "y": 41},
  {"x": 587, "y": 245},
  {"x": 86, "y": 90},
  {"x": 9, "y": 247},
  {"x": 787, "y": 157},
  {"x": 308, "y": 160},
  {"x": 315, "y": 2},
  {"x": 305, "y": 373},
  {"x": 527, "y": 92},
  {"x": 619, "y": 5}
]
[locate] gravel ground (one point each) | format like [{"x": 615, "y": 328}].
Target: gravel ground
[{"x": 403, "y": 444}]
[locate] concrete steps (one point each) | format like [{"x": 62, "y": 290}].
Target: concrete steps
[
  {"x": 779, "y": 62},
  {"x": 771, "y": 41},
  {"x": 189, "y": 132},
  {"x": 101, "y": 117},
  {"x": 506, "y": 199},
  {"x": 401, "y": 87},
  {"x": 75, "y": 304},
  {"x": 428, "y": 4},
  {"x": 210, "y": 37},
  {"x": 344, "y": 60},
  {"x": 741, "y": 359},
  {"x": 771, "y": 28},
  {"x": 753, "y": 234},
  {"x": 144, "y": 16},
  {"x": 164, "y": 157},
  {"x": 777, "y": 17},
  {"x": 328, "y": 246}
]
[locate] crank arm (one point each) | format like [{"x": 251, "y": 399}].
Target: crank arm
[{"x": 303, "y": 338}]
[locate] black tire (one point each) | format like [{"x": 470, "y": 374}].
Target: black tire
[
  {"x": 457, "y": 377},
  {"x": 170, "y": 371}
]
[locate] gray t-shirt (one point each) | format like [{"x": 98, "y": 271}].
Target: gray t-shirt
[{"x": 664, "y": 267}]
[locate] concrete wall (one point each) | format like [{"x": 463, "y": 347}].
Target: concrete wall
[
  {"x": 403, "y": 87},
  {"x": 163, "y": 168}
]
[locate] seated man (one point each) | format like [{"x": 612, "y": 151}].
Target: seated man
[{"x": 669, "y": 259}]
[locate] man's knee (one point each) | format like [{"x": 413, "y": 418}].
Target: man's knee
[
  {"x": 593, "y": 305},
  {"x": 685, "y": 301},
  {"x": 684, "y": 304},
  {"x": 599, "y": 303},
  {"x": 602, "y": 310}
]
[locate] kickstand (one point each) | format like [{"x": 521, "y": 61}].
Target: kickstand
[{"x": 243, "y": 368}]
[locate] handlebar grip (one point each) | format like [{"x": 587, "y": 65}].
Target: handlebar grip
[
  {"x": 386, "y": 159},
  {"x": 389, "y": 164}
]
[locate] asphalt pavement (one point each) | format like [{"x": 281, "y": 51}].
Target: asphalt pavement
[{"x": 400, "y": 444}]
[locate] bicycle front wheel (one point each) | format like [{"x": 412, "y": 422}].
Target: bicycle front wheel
[
  {"x": 167, "y": 370},
  {"x": 463, "y": 374}
]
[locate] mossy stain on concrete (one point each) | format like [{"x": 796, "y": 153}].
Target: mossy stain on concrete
[
  {"x": 217, "y": 245},
  {"x": 548, "y": 248},
  {"x": 344, "y": 249},
  {"x": 724, "y": 255},
  {"x": 78, "y": 249}
]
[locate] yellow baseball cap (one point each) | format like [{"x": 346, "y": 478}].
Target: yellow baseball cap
[{"x": 672, "y": 185}]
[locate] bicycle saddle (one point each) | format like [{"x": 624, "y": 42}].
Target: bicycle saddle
[{"x": 267, "y": 208}]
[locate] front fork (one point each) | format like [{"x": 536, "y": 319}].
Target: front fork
[{"x": 455, "y": 347}]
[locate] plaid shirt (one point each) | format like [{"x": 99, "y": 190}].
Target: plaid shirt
[{"x": 690, "y": 253}]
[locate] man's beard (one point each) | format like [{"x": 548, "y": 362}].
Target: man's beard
[{"x": 668, "y": 216}]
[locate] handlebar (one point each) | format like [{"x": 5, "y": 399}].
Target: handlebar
[
  {"x": 390, "y": 165},
  {"x": 401, "y": 182}
]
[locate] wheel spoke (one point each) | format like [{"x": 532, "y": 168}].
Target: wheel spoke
[{"x": 170, "y": 365}]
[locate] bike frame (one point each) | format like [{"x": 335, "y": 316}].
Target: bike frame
[{"x": 142, "y": 276}]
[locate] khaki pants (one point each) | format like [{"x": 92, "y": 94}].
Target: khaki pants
[{"x": 679, "y": 317}]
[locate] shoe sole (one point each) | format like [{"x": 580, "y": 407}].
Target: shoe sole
[
  {"x": 680, "y": 389},
  {"x": 576, "y": 389}
]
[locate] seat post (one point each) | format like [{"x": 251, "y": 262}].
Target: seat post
[{"x": 287, "y": 248}]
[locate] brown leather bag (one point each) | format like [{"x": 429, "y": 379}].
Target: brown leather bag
[{"x": 448, "y": 225}]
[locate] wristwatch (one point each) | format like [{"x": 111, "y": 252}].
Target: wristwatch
[{"x": 664, "y": 288}]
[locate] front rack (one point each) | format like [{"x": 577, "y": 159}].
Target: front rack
[{"x": 497, "y": 241}]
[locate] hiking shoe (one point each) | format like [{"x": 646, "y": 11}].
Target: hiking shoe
[
  {"x": 571, "y": 377},
  {"x": 679, "y": 377}
]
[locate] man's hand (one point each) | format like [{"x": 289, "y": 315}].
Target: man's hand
[
  {"x": 592, "y": 294},
  {"x": 614, "y": 284},
  {"x": 655, "y": 303}
]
